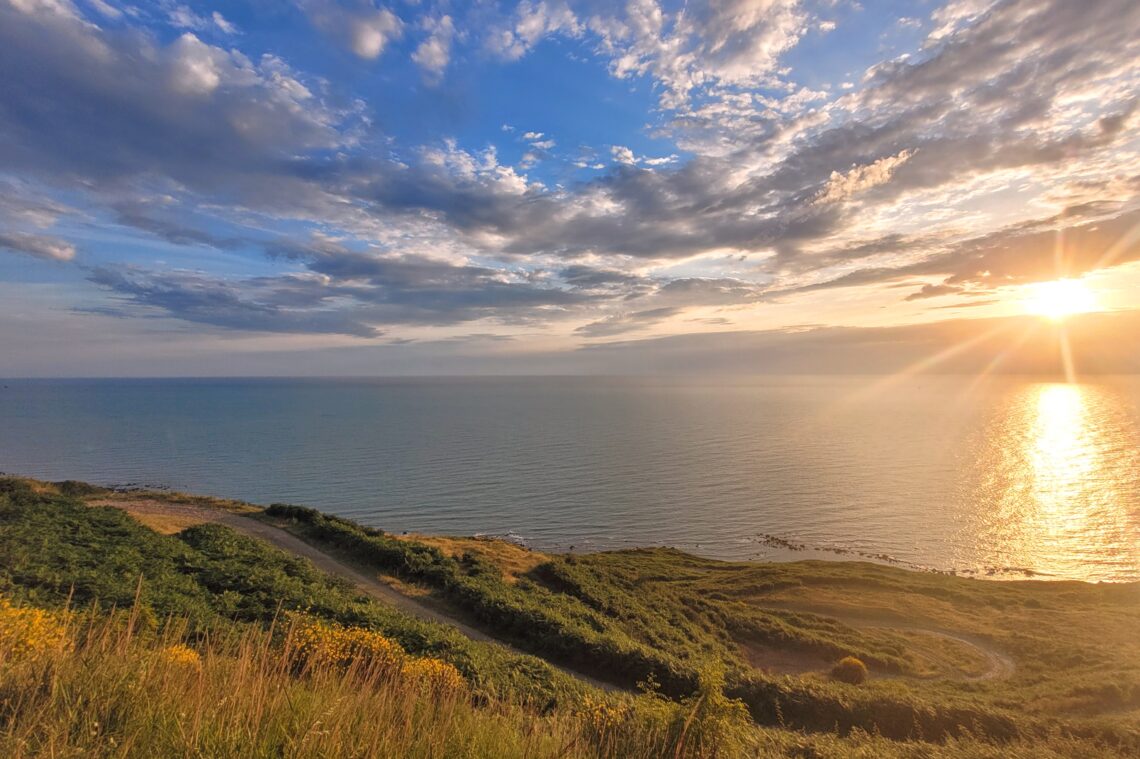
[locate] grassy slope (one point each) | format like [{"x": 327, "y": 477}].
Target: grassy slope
[
  {"x": 661, "y": 614},
  {"x": 53, "y": 548},
  {"x": 633, "y": 614}
]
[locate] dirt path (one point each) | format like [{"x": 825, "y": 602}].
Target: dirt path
[
  {"x": 171, "y": 517},
  {"x": 999, "y": 665}
]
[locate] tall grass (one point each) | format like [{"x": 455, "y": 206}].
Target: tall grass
[{"x": 91, "y": 684}]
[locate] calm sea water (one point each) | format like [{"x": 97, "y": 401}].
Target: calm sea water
[{"x": 998, "y": 478}]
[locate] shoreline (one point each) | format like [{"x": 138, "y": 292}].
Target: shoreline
[{"x": 777, "y": 549}]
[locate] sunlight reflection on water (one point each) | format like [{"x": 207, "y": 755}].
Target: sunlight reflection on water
[{"x": 1062, "y": 461}]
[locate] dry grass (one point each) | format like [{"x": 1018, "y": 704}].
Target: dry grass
[
  {"x": 83, "y": 684},
  {"x": 513, "y": 560},
  {"x": 165, "y": 524}
]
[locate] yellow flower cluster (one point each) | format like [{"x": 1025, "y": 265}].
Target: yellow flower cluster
[
  {"x": 324, "y": 644},
  {"x": 433, "y": 674},
  {"x": 181, "y": 656},
  {"x": 602, "y": 717},
  {"x": 327, "y": 644},
  {"x": 27, "y": 632}
]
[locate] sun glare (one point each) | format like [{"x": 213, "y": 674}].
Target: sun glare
[{"x": 1058, "y": 299}]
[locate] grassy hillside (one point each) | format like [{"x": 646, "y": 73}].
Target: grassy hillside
[
  {"x": 957, "y": 667},
  {"x": 947, "y": 654}
]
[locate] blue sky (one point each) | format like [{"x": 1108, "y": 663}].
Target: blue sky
[{"x": 258, "y": 186}]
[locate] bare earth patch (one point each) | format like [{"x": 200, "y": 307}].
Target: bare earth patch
[
  {"x": 514, "y": 560},
  {"x": 781, "y": 661},
  {"x": 160, "y": 516}
]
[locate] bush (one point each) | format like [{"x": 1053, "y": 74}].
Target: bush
[{"x": 850, "y": 670}]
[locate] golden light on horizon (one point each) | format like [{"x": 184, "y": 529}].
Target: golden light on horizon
[{"x": 1059, "y": 299}]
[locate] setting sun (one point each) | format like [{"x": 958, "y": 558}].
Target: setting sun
[{"x": 1058, "y": 299}]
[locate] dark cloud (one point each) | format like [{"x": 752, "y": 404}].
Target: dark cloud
[
  {"x": 933, "y": 291},
  {"x": 621, "y": 323},
  {"x": 340, "y": 291},
  {"x": 260, "y": 306},
  {"x": 162, "y": 223}
]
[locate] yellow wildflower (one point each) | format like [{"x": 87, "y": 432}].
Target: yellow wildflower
[
  {"x": 28, "y": 632},
  {"x": 601, "y": 717},
  {"x": 179, "y": 655},
  {"x": 433, "y": 674},
  {"x": 327, "y": 644}
]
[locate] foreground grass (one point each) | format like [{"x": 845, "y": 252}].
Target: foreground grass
[{"x": 91, "y": 684}]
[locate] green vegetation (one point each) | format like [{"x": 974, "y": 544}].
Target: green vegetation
[
  {"x": 953, "y": 667},
  {"x": 661, "y": 615},
  {"x": 54, "y": 549}
]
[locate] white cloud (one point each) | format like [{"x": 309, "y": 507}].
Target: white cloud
[
  {"x": 622, "y": 154},
  {"x": 736, "y": 43},
  {"x": 223, "y": 24},
  {"x": 104, "y": 8},
  {"x": 433, "y": 54},
  {"x": 860, "y": 178},
  {"x": 369, "y": 34},
  {"x": 196, "y": 68},
  {"x": 361, "y": 27},
  {"x": 530, "y": 23}
]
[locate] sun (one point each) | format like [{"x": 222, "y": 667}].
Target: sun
[{"x": 1058, "y": 299}]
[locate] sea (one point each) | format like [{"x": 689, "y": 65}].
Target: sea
[{"x": 1002, "y": 477}]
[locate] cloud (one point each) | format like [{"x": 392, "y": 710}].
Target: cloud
[
  {"x": 195, "y": 114},
  {"x": 40, "y": 246},
  {"x": 1021, "y": 253},
  {"x": 737, "y": 43},
  {"x": 221, "y": 22},
  {"x": 859, "y": 178},
  {"x": 908, "y": 177},
  {"x": 359, "y": 293},
  {"x": 284, "y": 304},
  {"x": 358, "y": 25},
  {"x": 105, "y": 8},
  {"x": 433, "y": 54},
  {"x": 182, "y": 17},
  {"x": 530, "y": 23},
  {"x": 617, "y": 324},
  {"x": 933, "y": 291}
]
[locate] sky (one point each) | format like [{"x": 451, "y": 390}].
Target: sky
[{"x": 315, "y": 187}]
